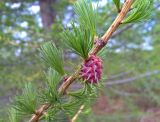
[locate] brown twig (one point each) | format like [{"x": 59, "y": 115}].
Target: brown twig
[
  {"x": 77, "y": 114},
  {"x": 68, "y": 82},
  {"x": 126, "y": 7},
  {"x": 39, "y": 113}
]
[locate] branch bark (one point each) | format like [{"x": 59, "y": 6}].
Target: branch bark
[
  {"x": 39, "y": 113},
  {"x": 77, "y": 114},
  {"x": 126, "y": 7}
]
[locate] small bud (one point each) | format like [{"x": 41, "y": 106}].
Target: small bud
[{"x": 65, "y": 79}]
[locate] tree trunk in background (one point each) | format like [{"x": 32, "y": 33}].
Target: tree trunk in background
[{"x": 48, "y": 13}]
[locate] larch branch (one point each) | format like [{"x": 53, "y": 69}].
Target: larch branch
[{"x": 126, "y": 7}]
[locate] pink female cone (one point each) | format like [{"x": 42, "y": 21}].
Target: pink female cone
[{"x": 91, "y": 70}]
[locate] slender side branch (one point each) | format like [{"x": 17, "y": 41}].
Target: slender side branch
[
  {"x": 129, "y": 80},
  {"x": 77, "y": 114},
  {"x": 126, "y": 7}
]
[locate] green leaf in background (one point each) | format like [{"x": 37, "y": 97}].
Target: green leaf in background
[
  {"x": 141, "y": 11},
  {"x": 79, "y": 40},
  {"x": 53, "y": 79},
  {"x": 27, "y": 102},
  {"x": 87, "y": 15},
  {"x": 117, "y": 3},
  {"x": 52, "y": 56}
]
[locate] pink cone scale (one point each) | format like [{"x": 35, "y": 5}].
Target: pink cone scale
[{"x": 91, "y": 69}]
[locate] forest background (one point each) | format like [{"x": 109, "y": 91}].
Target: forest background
[{"x": 131, "y": 61}]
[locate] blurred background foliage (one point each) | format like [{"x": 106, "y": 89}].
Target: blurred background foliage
[{"x": 132, "y": 57}]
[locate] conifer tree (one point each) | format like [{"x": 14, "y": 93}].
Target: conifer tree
[{"x": 53, "y": 100}]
